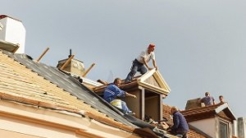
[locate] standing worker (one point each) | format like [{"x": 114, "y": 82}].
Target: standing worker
[{"x": 140, "y": 64}]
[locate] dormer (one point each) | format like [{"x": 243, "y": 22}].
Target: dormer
[
  {"x": 216, "y": 120},
  {"x": 150, "y": 90}
]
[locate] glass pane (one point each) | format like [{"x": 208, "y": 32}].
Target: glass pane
[{"x": 223, "y": 130}]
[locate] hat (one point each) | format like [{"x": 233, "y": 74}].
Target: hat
[{"x": 151, "y": 45}]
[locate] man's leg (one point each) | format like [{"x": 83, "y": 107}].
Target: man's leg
[
  {"x": 131, "y": 74},
  {"x": 142, "y": 69},
  {"x": 125, "y": 108}
]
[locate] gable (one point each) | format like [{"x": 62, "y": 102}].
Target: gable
[
  {"x": 224, "y": 115},
  {"x": 153, "y": 80}
]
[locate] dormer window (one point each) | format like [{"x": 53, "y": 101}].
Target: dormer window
[{"x": 223, "y": 129}]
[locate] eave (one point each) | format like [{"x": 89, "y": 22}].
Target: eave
[
  {"x": 152, "y": 88},
  {"x": 208, "y": 112}
]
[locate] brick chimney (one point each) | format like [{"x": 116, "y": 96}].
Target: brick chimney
[{"x": 12, "y": 33}]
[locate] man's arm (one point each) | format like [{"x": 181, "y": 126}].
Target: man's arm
[
  {"x": 213, "y": 100},
  {"x": 154, "y": 63},
  {"x": 176, "y": 122},
  {"x": 145, "y": 63},
  {"x": 201, "y": 100},
  {"x": 131, "y": 95}
]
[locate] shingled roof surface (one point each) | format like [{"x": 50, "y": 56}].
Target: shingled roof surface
[{"x": 23, "y": 80}]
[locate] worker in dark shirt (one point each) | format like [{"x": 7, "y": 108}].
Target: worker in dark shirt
[
  {"x": 207, "y": 100},
  {"x": 180, "y": 126}
]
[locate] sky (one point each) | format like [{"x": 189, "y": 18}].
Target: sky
[{"x": 200, "y": 45}]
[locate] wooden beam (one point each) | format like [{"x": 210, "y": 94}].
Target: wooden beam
[
  {"x": 86, "y": 72},
  {"x": 66, "y": 63},
  {"x": 43, "y": 54}
]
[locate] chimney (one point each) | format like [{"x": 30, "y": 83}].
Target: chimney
[
  {"x": 12, "y": 34},
  {"x": 241, "y": 125},
  {"x": 193, "y": 103},
  {"x": 74, "y": 67}
]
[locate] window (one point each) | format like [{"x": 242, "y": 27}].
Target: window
[{"x": 224, "y": 130}]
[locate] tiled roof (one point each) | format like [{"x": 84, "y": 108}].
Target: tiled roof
[
  {"x": 221, "y": 110},
  {"x": 193, "y": 132},
  {"x": 5, "y": 16}
]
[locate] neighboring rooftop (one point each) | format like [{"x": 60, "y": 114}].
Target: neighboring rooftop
[{"x": 221, "y": 110}]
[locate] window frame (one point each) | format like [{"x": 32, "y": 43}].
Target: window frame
[{"x": 226, "y": 125}]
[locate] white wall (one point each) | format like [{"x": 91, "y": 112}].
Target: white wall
[
  {"x": 207, "y": 125},
  {"x": 37, "y": 122},
  {"x": 14, "y": 32},
  {"x": 33, "y": 129}
]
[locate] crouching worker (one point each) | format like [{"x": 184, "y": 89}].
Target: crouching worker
[
  {"x": 180, "y": 126},
  {"x": 111, "y": 94}
]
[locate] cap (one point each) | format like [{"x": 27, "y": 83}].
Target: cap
[{"x": 151, "y": 45}]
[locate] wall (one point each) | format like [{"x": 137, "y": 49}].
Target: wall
[
  {"x": 152, "y": 107},
  {"x": 7, "y": 133},
  {"x": 207, "y": 125},
  {"x": 217, "y": 124},
  {"x": 134, "y": 104},
  {"x": 31, "y": 130},
  {"x": 33, "y": 122}
]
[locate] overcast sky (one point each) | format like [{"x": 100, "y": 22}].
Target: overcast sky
[{"x": 200, "y": 45}]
